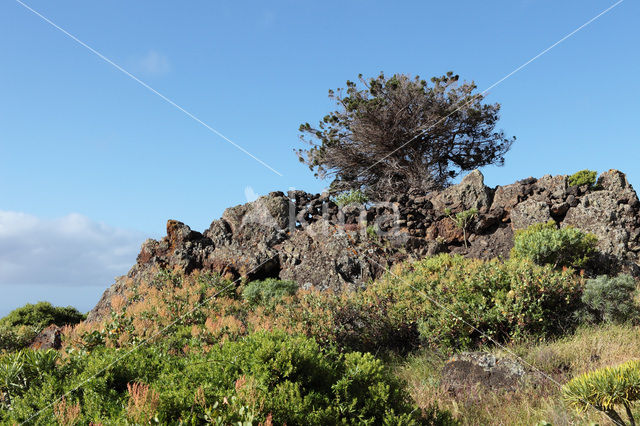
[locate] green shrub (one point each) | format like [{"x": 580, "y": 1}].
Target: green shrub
[
  {"x": 23, "y": 369},
  {"x": 363, "y": 321},
  {"x": 545, "y": 243},
  {"x": 583, "y": 177},
  {"x": 354, "y": 196},
  {"x": 41, "y": 315},
  {"x": 289, "y": 377},
  {"x": 608, "y": 299},
  {"x": 372, "y": 232},
  {"x": 462, "y": 220},
  {"x": 451, "y": 298},
  {"x": 21, "y": 325},
  {"x": 306, "y": 385},
  {"x": 606, "y": 388},
  {"x": 439, "y": 301},
  {"x": 268, "y": 291},
  {"x": 16, "y": 338},
  {"x": 39, "y": 378}
]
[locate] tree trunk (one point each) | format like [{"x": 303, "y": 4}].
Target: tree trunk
[
  {"x": 632, "y": 421},
  {"x": 613, "y": 415}
]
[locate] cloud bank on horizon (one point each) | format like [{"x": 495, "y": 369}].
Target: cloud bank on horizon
[{"x": 68, "y": 251}]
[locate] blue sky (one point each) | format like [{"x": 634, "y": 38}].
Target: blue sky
[{"x": 92, "y": 162}]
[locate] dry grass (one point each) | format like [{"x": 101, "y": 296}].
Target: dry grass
[
  {"x": 143, "y": 402},
  {"x": 537, "y": 400},
  {"x": 587, "y": 349},
  {"x": 66, "y": 414}
]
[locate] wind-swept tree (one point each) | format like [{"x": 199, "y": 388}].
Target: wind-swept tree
[{"x": 390, "y": 134}]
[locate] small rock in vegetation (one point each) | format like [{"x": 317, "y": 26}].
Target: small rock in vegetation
[{"x": 472, "y": 369}]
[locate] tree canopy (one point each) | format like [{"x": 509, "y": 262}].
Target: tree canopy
[{"x": 391, "y": 134}]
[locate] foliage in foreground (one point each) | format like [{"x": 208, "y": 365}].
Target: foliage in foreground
[
  {"x": 271, "y": 352},
  {"x": 605, "y": 389},
  {"x": 545, "y": 243},
  {"x": 538, "y": 401},
  {"x": 268, "y": 375}
]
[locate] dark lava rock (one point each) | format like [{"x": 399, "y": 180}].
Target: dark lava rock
[
  {"x": 49, "y": 338},
  {"x": 473, "y": 370},
  {"x": 307, "y": 238}
]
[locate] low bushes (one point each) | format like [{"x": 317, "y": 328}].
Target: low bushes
[
  {"x": 264, "y": 292},
  {"x": 609, "y": 299},
  {"x": 16, "y": 338},
  {"x": 21, "y": 325},
  {"x": 446, "y": 301},
  {"x": 295, "y": 381},
  {"x": 546, "y": 244},
  {"x": 23, "y": 369},
  {"x": 457, "y": 302},
  {"x": 41, "y": 315},
  {"x": 362, "y": 321},
  {"x": 268, "y": 351},
  {"x": 269, "y": 375}
]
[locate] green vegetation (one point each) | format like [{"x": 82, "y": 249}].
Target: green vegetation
[
  {"x": 264, "y": 292},
  {"x": 20, "y": 370},
  {"x": 609, "y": 299},
  {"x": 546, "y": 244},
  {"x": 21, "y": 325},
  {"x": 179, "y": 350},
  {"x": 372, "y": 232},
  {"x": 462, "y": 220},
  {"x": 458, "y": 302},
  {"x": 605, "y": 389},
  {"x": 15, "y": 338},
  {"x": 353, "y": 196},
  {"x": 269, "y": 375},
  {"x": 583, "y": 177},
  {"x": 538, "y": 401},
  {"x": 41, "y": 315}
]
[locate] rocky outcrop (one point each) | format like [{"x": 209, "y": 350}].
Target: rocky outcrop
[
  {"x": 308, "y": 239},
  {"x": 611, "y": 213},
  {"x": 472, "y": 370},
  {"x": 470, "y": 193}
]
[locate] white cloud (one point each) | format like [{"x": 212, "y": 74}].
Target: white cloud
[
  {"x": 153, "y": 63},
  {"x": 250, "y": 194},
  {"x": 68, "y": 251}
]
